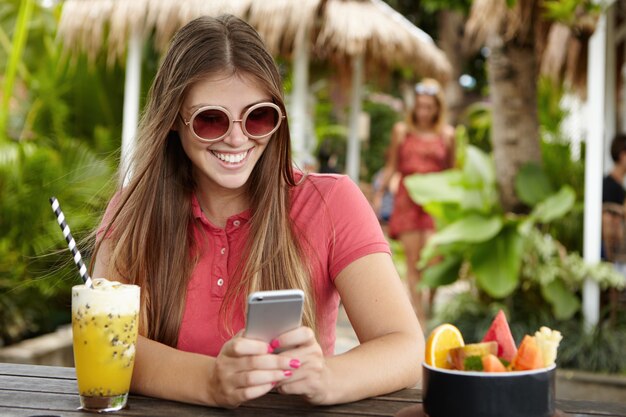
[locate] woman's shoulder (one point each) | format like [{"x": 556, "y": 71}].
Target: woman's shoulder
[
  {"x": 322, "y": 183},
  {"x": 316, "y": 189},
  {"x": 400, "y": 128},
  {"x": 448, "y": 131}
]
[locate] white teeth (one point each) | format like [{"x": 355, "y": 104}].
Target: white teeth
[{"x": 231, "y": 158}]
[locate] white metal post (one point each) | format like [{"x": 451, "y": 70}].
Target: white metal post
[
  {"x": 132, "y": 85},
  {"x": 596, "y": 85},
  {"x": 297, "y": 118},
  {"x": 353, "y": 162}
]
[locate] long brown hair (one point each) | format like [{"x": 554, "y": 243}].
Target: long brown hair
[{"x": 152, "y": 228}]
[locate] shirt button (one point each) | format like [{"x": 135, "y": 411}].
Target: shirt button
[
  {"x": 236, "y": 223},
  {"x": 223, "y": 251},
  {"x": 220, "y": 282}
]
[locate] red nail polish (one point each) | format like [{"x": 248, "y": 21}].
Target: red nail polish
[
  {"x": 287, "y": 373},
  {"x": 274, "y": 383},
  {"x": 270, "y": 349},
  {"x": 275, "y": 343},
  {"x": 294, "y": 363}
]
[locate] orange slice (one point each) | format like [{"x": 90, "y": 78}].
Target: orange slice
[{"x": 441, "y": 340}]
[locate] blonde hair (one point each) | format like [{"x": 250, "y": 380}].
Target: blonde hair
[
  {"x": 430, "y": 87},
  {"x": 152, "y": 228}
]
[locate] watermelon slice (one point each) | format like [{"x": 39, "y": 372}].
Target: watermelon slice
[{"x": 500, "y": 333}]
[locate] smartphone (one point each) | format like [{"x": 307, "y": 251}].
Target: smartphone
[{"x": 271, "y": 313}]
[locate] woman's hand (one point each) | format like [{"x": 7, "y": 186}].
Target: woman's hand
[
  {"x": 310, "y": 374},
  {"x": 246, "y": 369}
]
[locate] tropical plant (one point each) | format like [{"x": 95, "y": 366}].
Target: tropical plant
[
  {"x": 479, "y": 241},
  {"x": 510, "y": 30},
  {"x": 39, "y": 157},
  {"x": 382, "y": 118},
  {"x": 36, "y": 269}
]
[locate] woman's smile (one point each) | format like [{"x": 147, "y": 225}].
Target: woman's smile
[{"x": 232, "y": 159}]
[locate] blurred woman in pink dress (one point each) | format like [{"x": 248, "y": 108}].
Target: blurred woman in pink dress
[{"x": 423, "y": 143}]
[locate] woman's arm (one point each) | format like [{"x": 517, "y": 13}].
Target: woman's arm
[
  {"x": 392, "y": 343},
  {"x": 243, "y": 370}
]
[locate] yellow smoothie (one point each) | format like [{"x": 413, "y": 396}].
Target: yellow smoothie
[
  {"x": 104, "y": 327},
  {"x": 104, "y": 352}
]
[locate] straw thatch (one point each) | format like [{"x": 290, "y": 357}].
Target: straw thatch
[
  {"x": 87, "y": 25},
  {"x": 373, "y": 29},
  {"x": 279, "y": 21},
  {"x": 337, "y": 28},
  {"x": 561, "y": 49}
]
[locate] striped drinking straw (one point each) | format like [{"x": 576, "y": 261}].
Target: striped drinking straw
[{"x": 82, "y": 269}]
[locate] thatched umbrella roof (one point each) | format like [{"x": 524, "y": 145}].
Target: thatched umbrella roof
[
  {"x": 91, "y": 26},
  {"x": 340, "y": 28},
  {"x": 561, "y": 49}
]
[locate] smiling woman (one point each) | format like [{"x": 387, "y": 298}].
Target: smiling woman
[{"x": 215, "y": 210}]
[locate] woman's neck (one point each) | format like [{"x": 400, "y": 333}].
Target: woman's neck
[
  {"x": 218, "y": 205},
  {"x": 618, "y": 173}
]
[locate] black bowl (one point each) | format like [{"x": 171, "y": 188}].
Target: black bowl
[{"x": 449, "y": 393}]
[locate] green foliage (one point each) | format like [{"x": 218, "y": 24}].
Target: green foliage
[
  {"x": 521, "y": 269},
  {"x": 550, "y": 112},
  {"x": 496, "y": 262},
  {"x": 436, "y": 5},
  {"x": 477, "y": 120},
  {"x": 382, "y": 119},
  {"x": 532, "y": 184},
  {"x": 495, "y": 246},
  {"x": 560, "y": 166},
  {"x": 600, "y": 350},
  {"x": 19, "y": 39},
  {"x": 54, "y": 145},
  {"x": 568, "y": 11},
  {"x": 34, "y": 262}
]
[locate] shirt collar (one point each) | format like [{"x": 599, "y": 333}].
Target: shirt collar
[{"x": 243, "y": 217}]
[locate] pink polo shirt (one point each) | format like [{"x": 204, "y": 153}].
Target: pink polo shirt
[{"x": 339, "y": 225}]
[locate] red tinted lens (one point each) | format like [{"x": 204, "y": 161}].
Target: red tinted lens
[
  {"x": 261, "y": 120},
  {"x": 211, "y": 124}
]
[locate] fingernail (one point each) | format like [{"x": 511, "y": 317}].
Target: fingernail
[
  {"x": 287, "y": 373},
  {"x": 275, "y": 343},
  {"x": 274, "y": 383},
  {"x": 294, "y": 363},
  {"x": 270, "y": 349}
]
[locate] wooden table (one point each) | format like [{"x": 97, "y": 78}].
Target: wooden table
[{"x": 31, "y": 390}]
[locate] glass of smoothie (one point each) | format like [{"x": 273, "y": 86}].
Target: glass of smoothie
[{"x": 104, "y": 325}]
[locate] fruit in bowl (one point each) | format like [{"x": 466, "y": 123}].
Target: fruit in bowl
[{"x": 491, "y": 378}]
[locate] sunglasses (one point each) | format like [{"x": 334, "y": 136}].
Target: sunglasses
[
  {"x": 428, "y": 90},
  {"x": 213, "y": 123}
]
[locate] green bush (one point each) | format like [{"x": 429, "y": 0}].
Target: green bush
[
  {"x": 54, "y": 144},
  {"x": 508, "y": 261},
  {"x": 382, "y": 119},
  {"x": 36, "y": 269}
]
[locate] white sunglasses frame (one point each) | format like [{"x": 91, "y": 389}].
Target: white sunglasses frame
[
  {"x": 425, "y": 89},
  {"x": 232, "y": 121}
]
